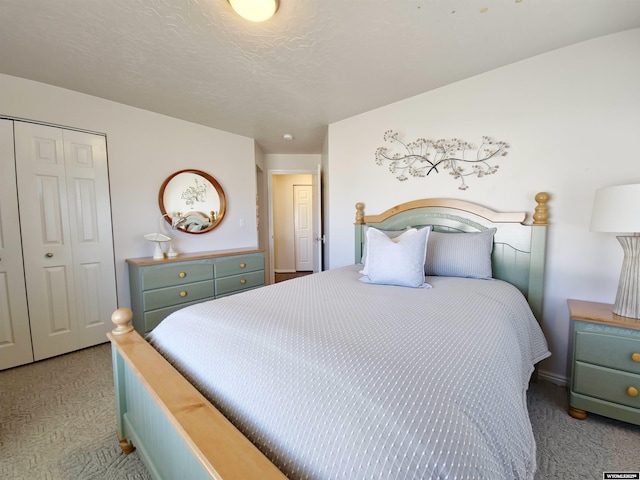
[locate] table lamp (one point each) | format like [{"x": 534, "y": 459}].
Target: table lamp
[{"x": 617, "y": 209}]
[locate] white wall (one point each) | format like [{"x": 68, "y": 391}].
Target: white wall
[
  {"x": 571, "y": 116},
  {"x": 144, "y": 148}
]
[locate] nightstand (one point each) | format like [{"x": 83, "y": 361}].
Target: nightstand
[{"x": 605, "y": 363}]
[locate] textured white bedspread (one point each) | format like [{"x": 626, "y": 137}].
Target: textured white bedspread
[{"x": 334, "y": 378}]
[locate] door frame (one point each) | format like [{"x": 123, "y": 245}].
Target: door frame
[{"x": 317, "y": 208}]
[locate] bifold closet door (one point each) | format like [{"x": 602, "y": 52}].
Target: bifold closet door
[
  {"x": 65, "y": 212},
  {"x": 15, "y": 337}
]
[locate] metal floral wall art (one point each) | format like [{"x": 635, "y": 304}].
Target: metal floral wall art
[
  {"x": 195, "y": 194},
  {"x": 422, "y": 157}
]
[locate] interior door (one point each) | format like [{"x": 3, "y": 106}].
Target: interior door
[
  {"x": 15, "y": 337},
  {"x": 91, "y": 234},
  {"x": 303, "y": 227},
  {"x": 318, "y": 237},
  {"x": 67, "y": 244}
]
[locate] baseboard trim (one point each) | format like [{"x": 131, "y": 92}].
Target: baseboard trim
[
  {"x": 553, "y": 378},
  {"x": 284, "y": 270}
]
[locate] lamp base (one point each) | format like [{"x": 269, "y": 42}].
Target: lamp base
[{"x": 628, "y": 296}]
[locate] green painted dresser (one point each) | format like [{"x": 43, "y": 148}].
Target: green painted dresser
[
  {"x": 605, "y": 363},
  {"x": 160, "y": 287}
]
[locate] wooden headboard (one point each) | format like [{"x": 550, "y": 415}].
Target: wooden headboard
[{"x": 518, "y": 250}]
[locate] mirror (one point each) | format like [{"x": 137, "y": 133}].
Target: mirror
[{"x": 192, "y": 201}]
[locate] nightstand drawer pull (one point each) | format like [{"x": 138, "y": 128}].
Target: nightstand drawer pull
[
  {"x": 182, "y": 274},
  {"x": 243, "y": 281},
  {"x": 243, "y": 265},
  {"x": 635, "y": 357},
  {"x": 632, "y": 391},
  {"x": 183, "y": 293}
]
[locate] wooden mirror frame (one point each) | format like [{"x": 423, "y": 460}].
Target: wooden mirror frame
[{"x": 214, "y": 184}]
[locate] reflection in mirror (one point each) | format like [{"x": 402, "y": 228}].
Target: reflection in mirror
[{"x": 192, "y": 201}]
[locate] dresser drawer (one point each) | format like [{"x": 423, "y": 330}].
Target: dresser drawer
[
  {"x": 166, "y": 297},
  {"x": 606, "y": 384},
  {"x": 608, "y": 350},
  {"x": 153, "y": 318},
  {"x": 239, "y": 264},
  {"x": 175, "y": 274},
  {"x": 237, "y": 283}
]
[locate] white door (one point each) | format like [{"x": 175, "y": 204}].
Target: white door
[
  {"x": 303, "y": 227},
  {"x": 65, "y": 215},
  {"x": 92, "y": 237},
  {"x": 15, "y": 337},
  {"x": 318, "y": 237}
]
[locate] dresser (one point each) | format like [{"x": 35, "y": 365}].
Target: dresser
[
  {"x": 605, "y": 362},
  {"x": 160, "y": 287}
]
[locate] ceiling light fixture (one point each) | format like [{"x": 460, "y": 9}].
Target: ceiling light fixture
[
  {"x": 288, "y": 137},
  {"x": 255, "y": 10}
]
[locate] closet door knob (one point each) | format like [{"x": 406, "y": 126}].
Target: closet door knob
[{"x": 48, "y": 254}]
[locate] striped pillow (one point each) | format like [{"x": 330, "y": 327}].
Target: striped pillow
[{"x": 460, "y": 254}]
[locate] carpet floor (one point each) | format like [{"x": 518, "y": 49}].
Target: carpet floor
[{"x": 57, "y": 422}]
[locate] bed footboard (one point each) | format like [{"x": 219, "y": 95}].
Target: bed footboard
[{"x": 176, "y": 431}]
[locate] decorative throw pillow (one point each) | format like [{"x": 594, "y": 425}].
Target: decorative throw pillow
[
  {"x": 398, "y": 262},
  {"x": 460, "y": 254},
  {"x": 394, "y": 235}
]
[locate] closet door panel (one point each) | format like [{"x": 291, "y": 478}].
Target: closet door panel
[
  {"x": 92, "y": 240},
  {"x": 46, "y": 239},
  {"x": 15, "y": 336}
]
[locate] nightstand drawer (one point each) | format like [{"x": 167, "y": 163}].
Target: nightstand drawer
[
  {"x": 238, "y": 265},
  {"x": 606, "y": 384},
  {"x": 166, "y": 297},
  {"x": 236, "y": 283},
  {"x": 609, "y": 351},
  {"x": 175, "y": 274}
]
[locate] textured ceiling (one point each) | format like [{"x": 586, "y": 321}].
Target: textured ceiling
[{"x": 315, "y": 62}]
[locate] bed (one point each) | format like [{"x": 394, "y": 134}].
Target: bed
[{"x": 349, "y": 373}]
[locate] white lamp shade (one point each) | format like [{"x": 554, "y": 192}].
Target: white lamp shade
[{"x": 617, "y": 209}]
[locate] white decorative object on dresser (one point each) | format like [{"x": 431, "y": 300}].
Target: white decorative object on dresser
[
  {"x": 61, "y": 233},
  {"x": 160, "y": 287},
  {"x": 605, "y": 362}
]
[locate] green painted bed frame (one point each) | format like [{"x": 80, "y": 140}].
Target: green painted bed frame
[
  {"x": 179, "y": 434},
  {"x": 518, "y": 255}
]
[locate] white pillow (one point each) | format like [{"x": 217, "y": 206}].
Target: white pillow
[
  {"x": 460, "y": 254},
  {"x": 394, "y": 235},
  {"x": 399, "y": 262}
]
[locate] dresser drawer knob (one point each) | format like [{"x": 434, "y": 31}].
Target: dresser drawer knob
[
  {"x": 183, "y": 293},
  {"x": 632, "y": 391},
  {"x": 242, "y": 265},
  {"x": 182, "y": 274},
  {"x": 243, "y": 281},
  {"x": 635, "y": 357}
]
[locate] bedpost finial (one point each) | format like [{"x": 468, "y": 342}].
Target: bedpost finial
[
  {"x": 359, "y": 213},
  {"x": 541, "y": 215},
  {"x": 121, "y": 318}
]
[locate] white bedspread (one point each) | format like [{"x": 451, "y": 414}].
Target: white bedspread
[{"x": 337, "y": 379}]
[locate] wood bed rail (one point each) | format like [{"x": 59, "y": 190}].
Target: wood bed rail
[{"x": 217, "y": 446}]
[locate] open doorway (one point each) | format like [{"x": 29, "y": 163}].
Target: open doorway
[{"x": 295, "y": 236}]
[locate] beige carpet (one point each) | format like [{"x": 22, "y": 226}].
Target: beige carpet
[{"x": 57, "y": 422}]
